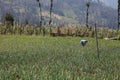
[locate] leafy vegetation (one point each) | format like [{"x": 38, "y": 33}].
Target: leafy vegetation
[
  {"x": 75, "y": 31},
  {"x": 9, "y": 19},
  {"x": 51, "y": 58}
]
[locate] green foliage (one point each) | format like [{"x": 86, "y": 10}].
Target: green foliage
[
  {"x": 118, "y": 37},
  {"x": 44, "y": 31},
  {"x": 101, "y": 33},
  {"x": 9, "y": 19},
  {"x": 57, "y": 58},
  {"x": 110, "y": 33}
]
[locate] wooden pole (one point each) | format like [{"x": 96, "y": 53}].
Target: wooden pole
[{"x": 96, "y": 40}]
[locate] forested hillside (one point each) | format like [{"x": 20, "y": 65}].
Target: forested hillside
[
  {"x": 64, "y": 12},
  {"x": 111, "y": 3}
]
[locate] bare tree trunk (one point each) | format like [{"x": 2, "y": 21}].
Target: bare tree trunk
[
  {"x": 39, "y": 3},
  {"x": 87, "y": 14},
  {"x": 118, "y": 14},
  {"x": 50, "y": 22},
  {"x": 40, "y": 14},
  {"x": 96, "y": 41},
  {"x": 51, "y": 6}
]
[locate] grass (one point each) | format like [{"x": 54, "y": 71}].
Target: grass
[{"x": 57, "y": 58}]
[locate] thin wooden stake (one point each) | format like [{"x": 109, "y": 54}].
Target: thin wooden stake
[{"x": 96, "y": 40}]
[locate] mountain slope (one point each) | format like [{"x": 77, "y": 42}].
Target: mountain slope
[
  {"x": 64, "y": 12},
  {"x": 111, "y": 3}
]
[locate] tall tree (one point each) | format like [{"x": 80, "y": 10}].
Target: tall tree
[
  {"x": 51, "y": 7},
  {"x": 9, "y": 19},
  {"x": 39, "y": 2},
  {"x": 87, "y": 14},
  {"x": 118, "y": 14}
]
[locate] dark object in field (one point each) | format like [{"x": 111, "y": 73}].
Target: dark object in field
[
  {"x": 56, "y": 34},
  {"x": 83, "y": 42},
  {"x": 53, "y": 34}
]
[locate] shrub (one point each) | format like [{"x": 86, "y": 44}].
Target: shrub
[
  {"x": 58, "y": 31},
  {"x": 9, "y": 19},
  {"x": 43, "y": 31}
]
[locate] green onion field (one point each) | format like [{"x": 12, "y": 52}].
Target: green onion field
[{"x": 57, "y": 58}]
